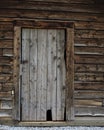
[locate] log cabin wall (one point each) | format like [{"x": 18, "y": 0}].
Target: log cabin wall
[{"x": 88, "y": 18}]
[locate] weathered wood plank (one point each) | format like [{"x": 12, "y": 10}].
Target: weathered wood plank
[
  {"x": 25, "y": 75},
  {"x": 6, "y": 86},
  {"x": 43, "y": 42},
  {"x": 89, "y": 34},
  {"x": 87, "y": 94},
  {"x": 63, "y": 73},
  {"x": 61, "y": 1},
  {"x": 49, "y": 6},
  {"x": 41, "y": 112},
  {"x": 89, "y": 50},
  {"x": 6, "y": 26},
  {"x": 5, "y": 113},
  {"x": 6, "y": 60},
  {"x": 6, "y": 34},
  {"x": 54, "y": 75},
  {"x": 89, "y": 42},
  {"x": 89, "y": 85},
  {"x": 8, "y": 52},
  {"x": 88, "y": 103},
  {"x": 86, "y": 111},
  {"x": 89, "y": 25},
  {"x": 5, "y": 94},
  {"x": 69, "y": 74},
  {"x": 6, "y": 104},
  {"x": 44, "y": 24},
  {"x": 17, "y": 40},
  {"x": 49, "y": 71},
  {"x": 89, "y": 77},
  {"x": 89, "y": 68},
  {"x": 39, "y": 79},
  {"x": 6, "y": 69},
  {"x": 88, "y": 59},
  {"x": 50, "y": 15},
  {"x": 33, "y": 74},
  {"x": 6, "y": 44},
  {"x": 60, "y": 75}
]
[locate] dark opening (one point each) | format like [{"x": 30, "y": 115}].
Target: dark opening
[
  {"x": 65, "y": 114},
  {"x": 49, "y": 115}
]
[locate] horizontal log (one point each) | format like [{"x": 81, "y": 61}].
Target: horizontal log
[
  {"x": 88, "y": 103},
  {"x": 36, "y": 5},
  {"x": 86, "y": 111},
  {"x": 6, "y": 94},
  {"x": 8, "y": 86},
  {"x": 89, "y": 86},
  {"x": 89, "y": 77},
  {"x": 89, "y": 68},
  {"x": 5, "y": 113},
  {"x": 6, "y": 78},
  {"x": 89, "y": 34},
  {"x": 6, "y": 60},
  {"x": 47, "y": 24},
  {"x": 8, "y": 52},
  {"x": 87, "y": 94},
  {"x": 6, "y": 104},
  {"x": 89, "y": 59},
  {"x": 89, "y": 50},
  {"x": 57, "y": 1},
  {"x": 89, "y": 42},
  {"x": 6, "y": 44},
  {"x": 6, "y": 26},
  {"x": 6, "y": 69},
  {"x": 30, "y": 14},
  {"x": 6, "y": 34},
  {"x": 89, "y": 25}
]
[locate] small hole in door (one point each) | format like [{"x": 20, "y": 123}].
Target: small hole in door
[{"x": 49, "y": 115}]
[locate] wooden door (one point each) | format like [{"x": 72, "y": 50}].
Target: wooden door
[{"x": 43, "y": 75}]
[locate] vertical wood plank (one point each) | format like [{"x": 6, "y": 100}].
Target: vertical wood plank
[
  {"x": 54, "y": 76},
  {"x": 43, "y": 36},
  {"x": 60, "y": 74},
  {"x": 42, "y": 75},
  {"x": 70, "y": 74},
  {"x": 25, "y": 75},
  {"x": 33, "y": 74},
  {"x": 49, "y": 71},
  {"x": 17, "y": 42}
]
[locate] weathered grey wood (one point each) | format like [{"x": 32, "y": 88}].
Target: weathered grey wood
[
  {"x": 59, "y": 78},
  {"x": 89, "y": 68},
  {"x": 63, "y": 69},
  {"x": 25, "y": 75},
  {"x": 42, "y": 75},
  {"x": 89, "y": 77},
  {"x": 17, "y": 40},
  {"x": 89, "y": 111},
  {"x": 89, "y": 85},
  {"x": 33, "y": 74},
  {"x": 87, "y": 94},
  {"x": 88, "y": 102},
  {"x": 89, "y": 50},
  {"x": 43, "y": 43},
  {"x": 69, "y": 74},
  {"x": 60, "y": 74},
  {"x": 54, "y": 76},
  {"x": 49, "y": 71}
]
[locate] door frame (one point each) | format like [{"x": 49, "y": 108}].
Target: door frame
[{"x": 69, "y": 47}]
